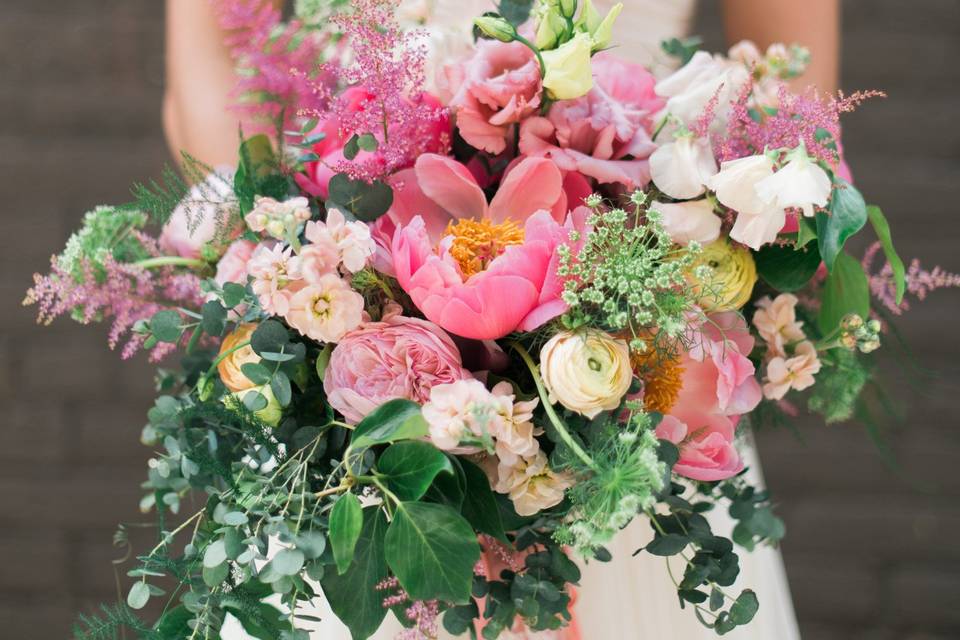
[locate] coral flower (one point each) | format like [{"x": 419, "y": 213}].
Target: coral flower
[{"x": 481, "y": 271}]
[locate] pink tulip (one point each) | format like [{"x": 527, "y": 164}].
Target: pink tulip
[{"x": 605, "y": 134}]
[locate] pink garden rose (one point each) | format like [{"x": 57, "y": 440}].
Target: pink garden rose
[
  {"x": 496, "y": 88},
  {"x": 398, "y": 357},
  {"x": 605, "y": 134},
  {"x": 707, "y": 452}
]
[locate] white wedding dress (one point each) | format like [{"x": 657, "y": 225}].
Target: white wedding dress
[{"x": 631, "y": 597}]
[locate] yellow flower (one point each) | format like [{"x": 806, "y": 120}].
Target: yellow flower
[
  {"x": 230, "y": 366},
  {"x": 587, "y": 372},
  {"x": 728, "y": 282},
  {"x": 269, "y": 415},
  {"x": 568, "y": 73}
]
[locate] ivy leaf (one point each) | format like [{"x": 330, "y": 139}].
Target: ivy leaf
[
  {"x": 807, "y": 232},
  {"x": 139, "y": 595},
  {"x": 366, "y": 201},
  {"x": 846, "y": 291},
  {"x": 786, "y": 269},
  {"x": 394, "y": 420},
  {"x": 479, "y": 503},
  {"x": 848, "y": 214},
  {"x": 432, "y": 550},
  {"x": 165, "y": 326},
  {"x": 346, "y": 521},
  {"x": 353, "y": 596},
  {"x": 882, "y": 229},
  {"x": 668, "y": 545},
  {"x": 409, "y": 468}
]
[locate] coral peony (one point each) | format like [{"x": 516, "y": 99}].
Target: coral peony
[
  {"x": 397, "y": 357},
  {"x": 605, "y": 134}
]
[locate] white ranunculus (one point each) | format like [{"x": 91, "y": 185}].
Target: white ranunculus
[
  {"x": 800, "y": 183},
  {"x": 736, "y": 183},
  {"x": 689, "y": 221},
  {"x": 680, "y": 168},
  {"x": 587, "y": 371},
  {"x": 756, "y": 230}
]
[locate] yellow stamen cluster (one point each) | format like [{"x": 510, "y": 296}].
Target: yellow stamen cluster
[
  {"x": 477, "y": 242},
  {"x": 662, "y": 378}
]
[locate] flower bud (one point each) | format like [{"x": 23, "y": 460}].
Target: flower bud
[
  {"x": 568, "y": 8},
  {"x": 603, "y": 33},
  {"x": 496, "y": 27},
  {"x": 851, "y": 322},
  {"x": 587, "y": 371}
]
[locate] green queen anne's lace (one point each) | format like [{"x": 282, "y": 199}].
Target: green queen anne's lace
[{"x": 627, "y": 275}]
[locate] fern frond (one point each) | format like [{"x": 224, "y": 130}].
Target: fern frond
[{"x": 110, "y": 622}]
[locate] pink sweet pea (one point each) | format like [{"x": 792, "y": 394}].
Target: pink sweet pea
[
  {"x": 706, "y": 445},
  {"x": 496, "y": 88},
  {"x": 605, "y": 134}
]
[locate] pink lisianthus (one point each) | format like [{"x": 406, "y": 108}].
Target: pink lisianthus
[
  {"x": 707, "y": 452},
  {"x": 605, "y": 134},
  {"x": 397, "y": 357},
  {"x": 315, "y": 179},
  {"x": 718, "y": 376},
  {"x": 496, "y": 88}
]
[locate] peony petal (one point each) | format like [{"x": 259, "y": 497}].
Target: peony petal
[
  {"x": 410, "y": 201},
  {"x": 451, "y": 185},
  {"x": 533, "y": 185}
]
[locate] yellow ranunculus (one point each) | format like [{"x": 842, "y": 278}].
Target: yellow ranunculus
[
  {"x": 586, "y": 371},
  {"x": 230, "y": 367},
  {"x": 730, "y": 281},
  {"x": 568, "y": 73},
  {"x": 269, "y": 415}
]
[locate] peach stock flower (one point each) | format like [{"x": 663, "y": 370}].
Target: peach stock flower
[
  {"x": 326, "y": 309},
  {"x": 784, "y": 374},
  {"x": 272, "y": 269},
  {"x": 531, "y": 484},
  {"x": 776, "y": 322}
]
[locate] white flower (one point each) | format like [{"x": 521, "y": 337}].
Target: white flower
[
  {"x": 681, "y": 168},
  {"x": 756, "y": 230},
  {"x": 686, "y": 222},
  {"x": 587, "y": 372},
  {"x": 735, "y": 184},
  {"x": 689, "y": 89},
  {"x": 801, "y": 183},
  {"x": 531, "y": 484}
]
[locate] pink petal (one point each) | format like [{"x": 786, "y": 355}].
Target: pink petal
[
  {"x": 450, "y": 185},
  {"x": 535, "y": 184},
  {"x": 410, "y": 201}
]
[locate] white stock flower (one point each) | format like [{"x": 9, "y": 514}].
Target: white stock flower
[
  {"x": 687, "y": 222},
  {"x": 680, "y": 168}
]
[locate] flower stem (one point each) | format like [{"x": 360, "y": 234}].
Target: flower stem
[
  {"x": 171, "y": 261},
  {"x": 536, "y": 51},
  {"x": 555, "y": 419}
]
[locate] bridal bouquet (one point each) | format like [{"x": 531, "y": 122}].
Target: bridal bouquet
[{"x": 435, "y": 344}]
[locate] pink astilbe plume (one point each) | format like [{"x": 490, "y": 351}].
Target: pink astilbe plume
[
  {"x": 281, "y": 63},
  {"x": 920, "y": 282},
  {"x": 799, "y": 117},
  {"x": 122, "y": 292},
  {"x": 387, "y": 63},
  {"x": 422, "y": 615}
]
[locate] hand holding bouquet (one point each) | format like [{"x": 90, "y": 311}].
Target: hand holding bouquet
[{"x": 435, "y": 346}]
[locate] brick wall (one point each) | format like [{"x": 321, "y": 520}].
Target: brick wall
[{"x": 870, "y": 554}]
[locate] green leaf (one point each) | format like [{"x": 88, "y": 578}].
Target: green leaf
[
  {"x": 280, "y": 384},
  {"x": 409, "y": 468},
  {"x": 213, "y": 576},
  {"x": 165, "y": 326},
  {"x": 882, "y": 229},
  {"x": 366, "y": 201},
  {"x": 479, "y": 504},
  {"x": 288, "y": 562},
  {"x": 394, "y": 420},
  {"x": 346, "y": 521},
  {"x": 458, "y": 620},
  {"x": 215, "y": 554},
  {"x": 214, "y": 318},
  {"x": 233, "y": 294},
  {"x": 351, "y": 148},
  {"x": 745, "y": 607},
  {"x": 368, "y": 142},
  {"x": 785, "y": 268},
  {"x": 668, "y": 545},
  {"x": 807, "y": 232},
  {"x": 256, "y": 372},
  {"x": 235, "y": 518},
  {"x": 845, "y": 291},
  {"x": 270, "y": 336},
  {"x": 139, "y": 595},
  {"x": 259, "y": 619},
  {"x": 681, "y": 49},
  {"x": 432, "y": 550},
  {"x": 353, "y": 596},
  {"x": 848, "y": 214}
]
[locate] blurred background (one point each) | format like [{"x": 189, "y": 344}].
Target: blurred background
[{"x": 870, "y": 552}]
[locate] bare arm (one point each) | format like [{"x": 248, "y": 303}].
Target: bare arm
[
  {"x": 200, "y": 74},
  {"x": 814, "y": 24}
]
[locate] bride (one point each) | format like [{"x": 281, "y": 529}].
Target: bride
[{"x": 631, "y": 597}]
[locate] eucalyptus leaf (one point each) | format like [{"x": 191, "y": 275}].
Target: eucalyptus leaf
[
  {"x": 288, "y": 562},
  {"x": 214, "y": 317},
  {"x": 139, "y": 595},
  {"x": 165, "y": 326},
  {"x": 744, "y": 608},
  {"x": 668, "y": 545},
  {"x": 365, "y": 201}
]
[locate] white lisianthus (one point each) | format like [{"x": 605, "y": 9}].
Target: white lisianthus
[
  {"x": 687, "y": 222},
  {"x": 800, "y": 183},
  {"x": 568, "y": 72},
  {"x": 680, "y": 168},
  {"x": 586, "y": 371}
]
